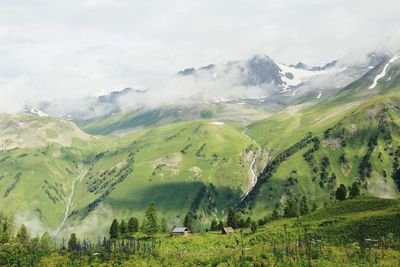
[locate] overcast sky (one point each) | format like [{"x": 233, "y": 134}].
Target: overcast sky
[{"x": 53, "y": 49}]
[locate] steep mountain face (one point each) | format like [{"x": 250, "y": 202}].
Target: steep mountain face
[{"x": 280, "y": 80}]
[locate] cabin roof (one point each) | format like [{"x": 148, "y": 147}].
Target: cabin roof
[
  {"x": 228, "y": 230},
  {"x": 180, "y": 230}
]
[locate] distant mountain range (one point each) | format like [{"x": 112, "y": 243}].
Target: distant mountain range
[{"x": 257, "y": 82}]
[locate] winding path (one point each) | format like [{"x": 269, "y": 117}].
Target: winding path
[
  {"x": 252, "y": 167},
  {"x": 69, "y": 203}
]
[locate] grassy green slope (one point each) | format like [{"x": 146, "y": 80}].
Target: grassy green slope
[
  {"x": 193, "y": 166},
  {"x": 345, "y": 124},
  {"x": 339, "y": 231},
  {"x": 337, "y": 227},
  {"x": 124, "y": 121},
  {"x": 37, "y": 164}
]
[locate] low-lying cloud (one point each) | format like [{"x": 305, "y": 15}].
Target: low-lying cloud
[{"x": 54, "y": 50}]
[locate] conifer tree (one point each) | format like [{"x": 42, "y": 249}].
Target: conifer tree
[
  {"x": 46, "y": 242},
  {"x": 188, "y": 221},
  {"x": 220, "y": 225},
  {"x": 114, "y": 230},
  {"x": 248, "y": 222},
  {"x": 6, "y": 228},
  {"x": 241, "y": 223},
  {"x": 72, "y": 242},
  {"x": 214, "y": 225},
  {"x": 291, "y": 209},
  {"x": 341, "y": 193},
  {"x": 232, "y": 218},
  {"x": 303, "y": 209},
  {"x": 133, "y": 225},
  {"x": 123, "y": 229},
  {"x": 151, "y": 227},
  {"x": 354, "y": 190},
  {"x": 275, "y": 214},
  {"x": 23, "y": 235}
]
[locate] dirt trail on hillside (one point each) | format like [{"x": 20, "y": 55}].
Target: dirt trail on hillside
[{"x": 69, "y": 202}]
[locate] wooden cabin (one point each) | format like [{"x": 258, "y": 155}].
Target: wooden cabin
[
  {"x": 180, "y": 231},
  {"x": 227, "y": 230}
]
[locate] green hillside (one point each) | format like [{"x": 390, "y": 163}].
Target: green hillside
[
  {"x": 362, "y": 231},
  {"x": 193, "y": 166},
  {"x": 199, "y": 166},
  {"x": 339, "y": 141},
  {"x": 129, "y": 120}
]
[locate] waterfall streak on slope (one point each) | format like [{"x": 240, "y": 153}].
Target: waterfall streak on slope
[
  {"x": 69, "y": 202},
  {"x": 383, "y": 73},
  {"x": 252, "y": 167}
]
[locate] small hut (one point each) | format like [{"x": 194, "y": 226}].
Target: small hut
[
  {"x": 227, "y": 230},
  {"x": 180, "y": 231}
]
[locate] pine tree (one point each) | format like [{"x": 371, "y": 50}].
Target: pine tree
[
  {"x": 72, "y": 242},
  {"x": 45, "y": 242},
  {"x": 220, "y": 225},
  {"x": 248, "y": 222},
  {"x": 23, "y": 235},
  {"x": 123, "y": 229},
  {"x": 291, "y": 209},
  {"x": 6, "y": 228},
  {"x": 232, "y": 218},
  {"x": 114, "y": 230},
  {"x": 214, "y": 225},
  {"x": 151, "y": 227},
  {"x": 275, "y": 214},
  {"x": 188, "y": 221},
  {"x": 163, "y": 225},
  {"x": 303, "y": 209},
  {"x": 354, "y": 190},
  {"x": 341, "y": 193},
  {"x": 133, "y": 225}
]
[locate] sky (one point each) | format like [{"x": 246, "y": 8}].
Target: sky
[{"x": 68, "y": 49}]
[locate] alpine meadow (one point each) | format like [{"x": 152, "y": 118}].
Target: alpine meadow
[{"x": 193, "y": 134}]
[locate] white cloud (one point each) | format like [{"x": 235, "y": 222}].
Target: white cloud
[{"x": 54, "y": 49}]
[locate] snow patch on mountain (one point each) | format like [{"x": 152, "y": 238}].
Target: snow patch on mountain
[
  {"x": 292, "y": 76},
  {"x": 383, "y": 72},
  {"x": 38, "y": 112}
]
